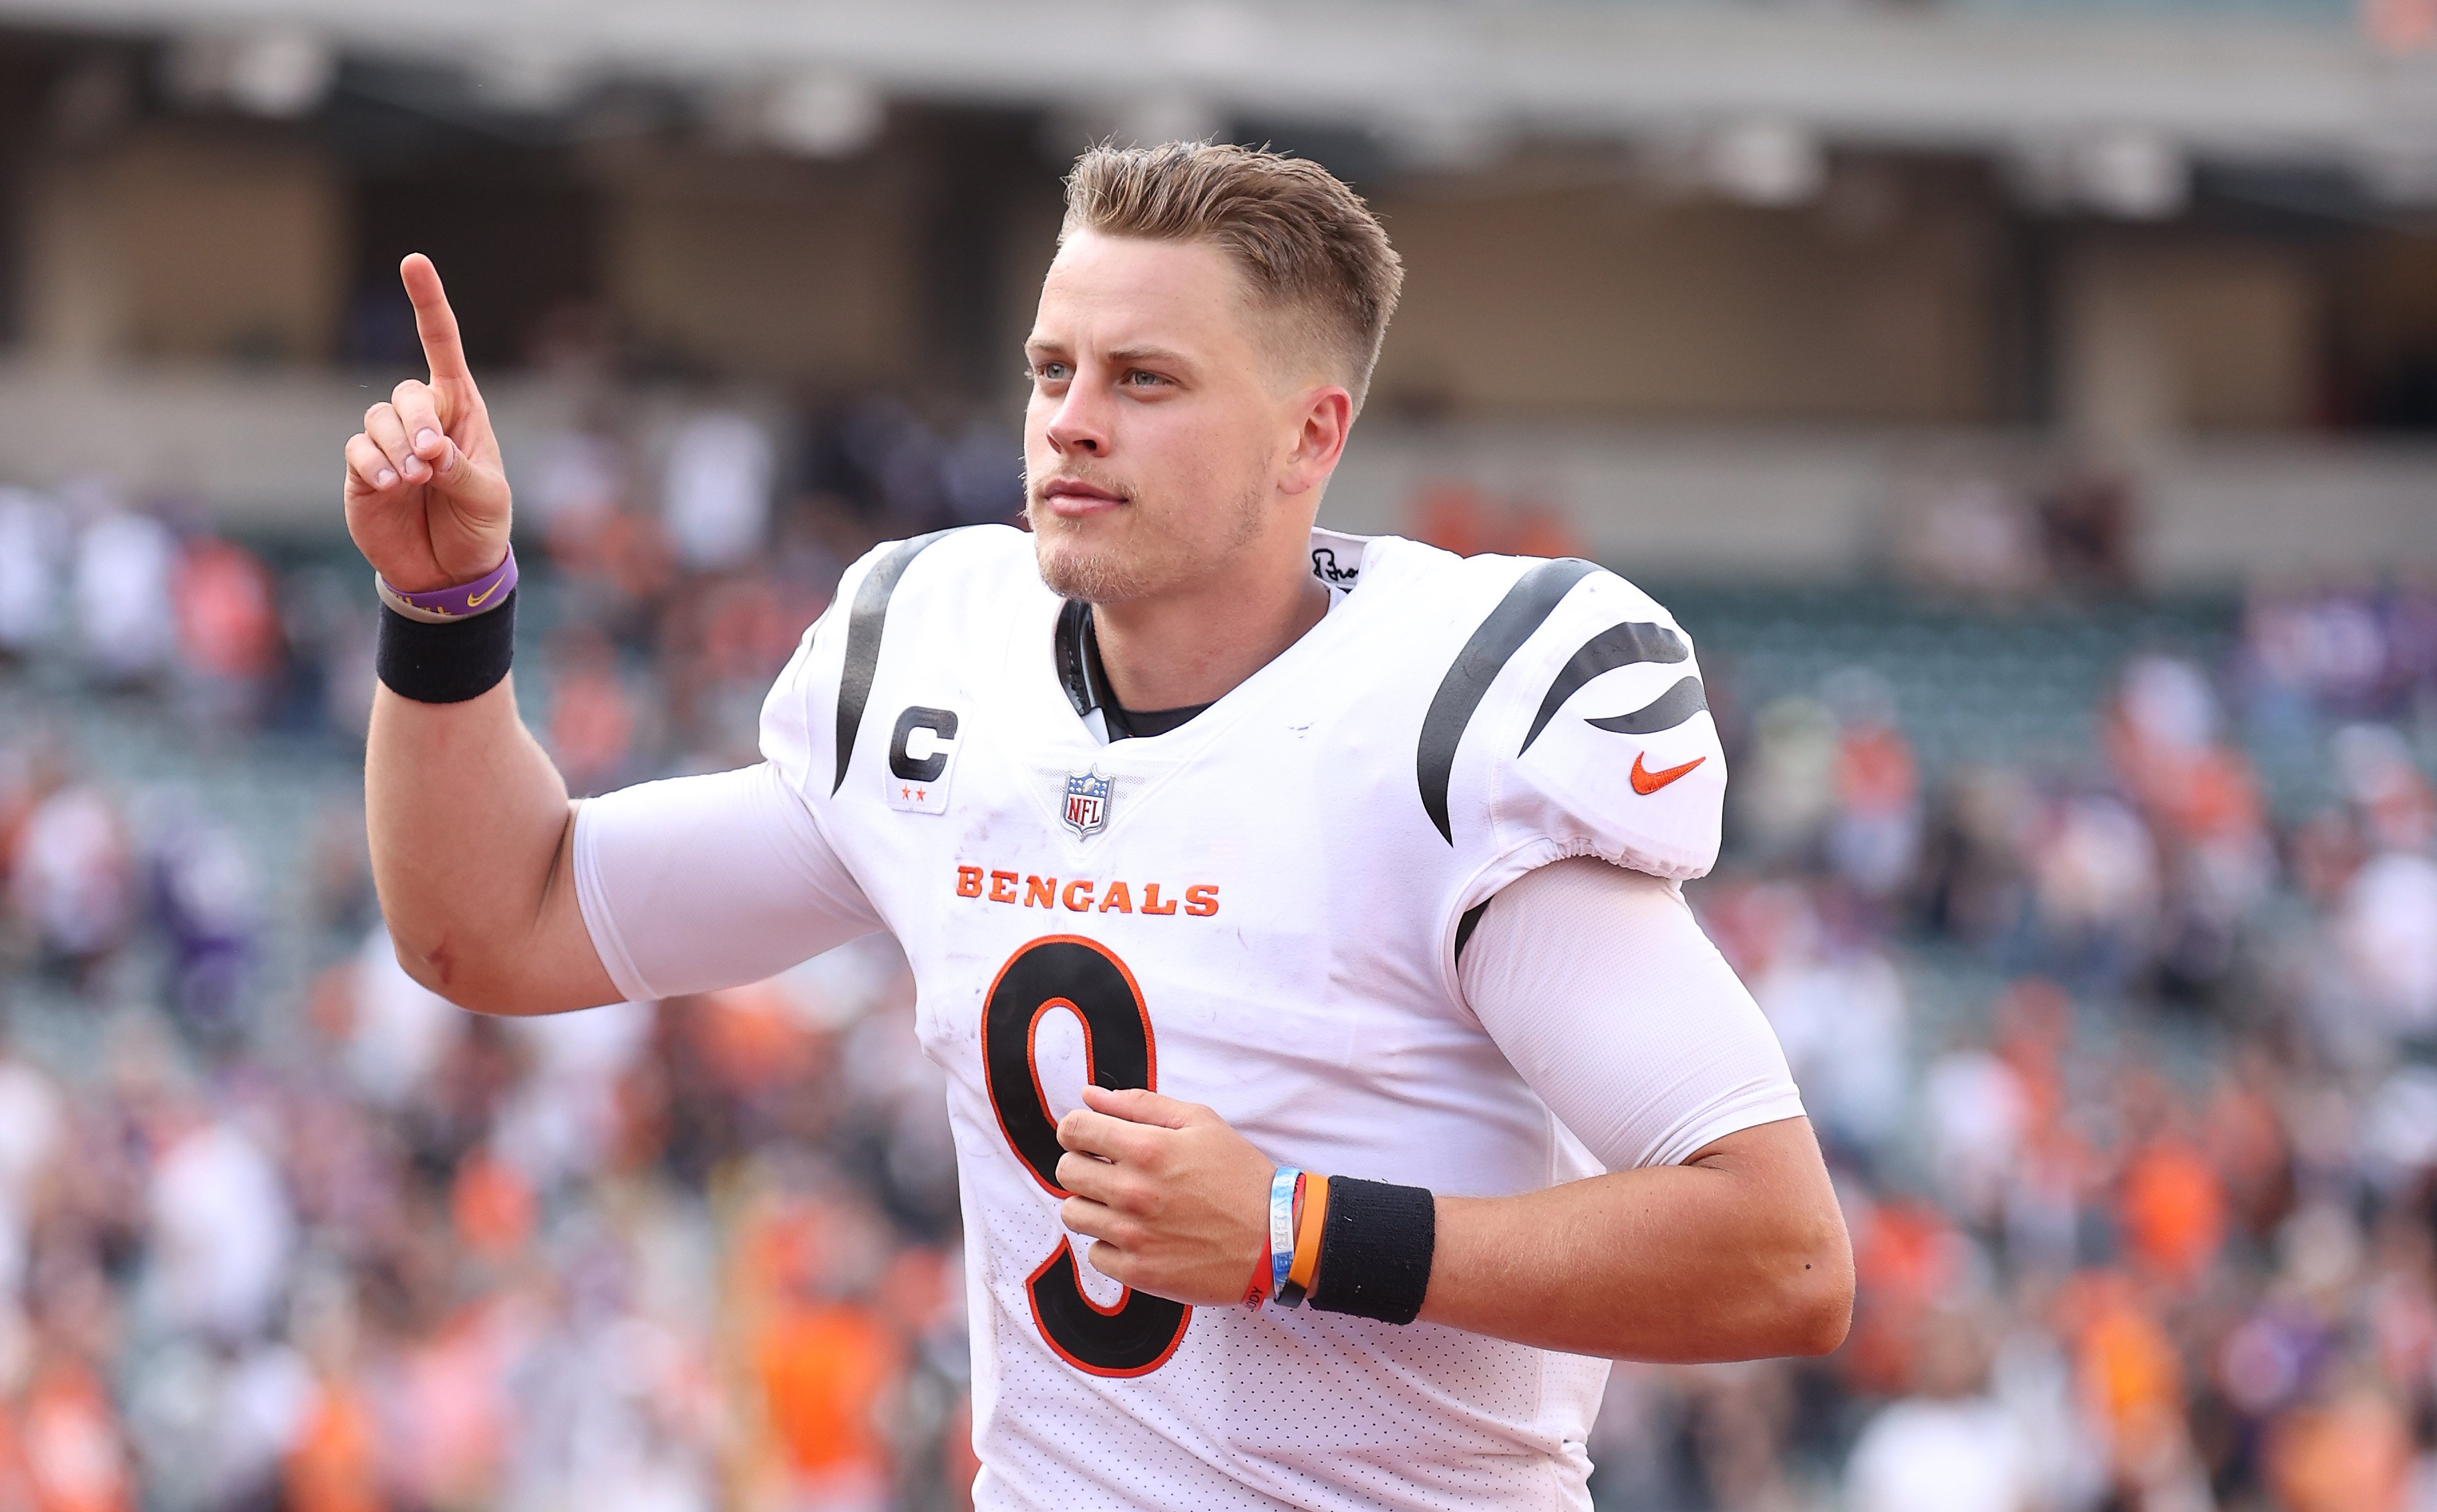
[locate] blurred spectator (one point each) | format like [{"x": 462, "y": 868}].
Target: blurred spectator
[
  {"x": 2095, "y": 881},
  {"x": 2388, "y": 925},
  {"x": 71, "y": 875},
  {"x": 982, "y": 475},
  {"x": 228, "y": 630},
  {"x": 1874, "y": 841},
  {"x": 716, "y": 496},
  {"x": 1947, "y": 1448},
  {"x": 396, "y": 1032},
  {"x": 221, "y": 1232},
  {"x": 2351, "y": 1453},
  {"x": 75, "y": 1459},
  {"x": 1839, "y": 1009},
  {"x": 2086, "y": 531},
  {"x": 123, "y": 567},
  {"x": 206, "y": 895},
  {"x": 1975, "y": 1113},
  {"x": 2397, "y": 806},
  {"x": 577, "y": 485},
  {"x": 1785, "y": 794},
  {"x": 591, "y": 726},
  {"x": 1972, "y": 537},
  {"x": 33, "y": 548}
]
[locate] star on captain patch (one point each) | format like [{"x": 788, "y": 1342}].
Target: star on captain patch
[
  {"x": 921, "y": 759},
  {"x": 1087, "y": 803}
]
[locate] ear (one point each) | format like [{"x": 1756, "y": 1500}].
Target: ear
[{"x": 1322, "y": 421}]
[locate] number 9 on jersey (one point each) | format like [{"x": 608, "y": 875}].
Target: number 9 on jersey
[{"x": 1067, "y": 971}]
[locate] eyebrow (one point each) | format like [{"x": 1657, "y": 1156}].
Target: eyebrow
[{"x": 1044, "y": 346}]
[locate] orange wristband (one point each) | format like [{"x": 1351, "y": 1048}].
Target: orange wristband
[{"x": 1306, "y": 1250}]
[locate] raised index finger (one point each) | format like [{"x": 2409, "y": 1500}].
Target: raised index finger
[{"x": 434, "y": 322}]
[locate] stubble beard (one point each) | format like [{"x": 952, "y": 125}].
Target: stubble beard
[{"x": 1150, "y": 559}]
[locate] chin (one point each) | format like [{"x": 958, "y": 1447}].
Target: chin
[{"x": 1096, "y": 574}]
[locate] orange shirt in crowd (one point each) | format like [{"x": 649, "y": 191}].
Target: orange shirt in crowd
[
  {"x": 226, "y": 625},
  {"x": 491, "y": 1207},
  {"x": 1537, "y": 530},
  {"x": 1453, "y": 518},
  {"x": 1903, "y": 1262},
  {"x": 333, "y": 1467},
  {"x": 2173, "y": 1211},
  {"x": 74, "y": 1459},
  {"x": 826, "y": 1368},
  {"x": 752, "y": 1038},
  {"x": 2131, "y": 1377},
  {"x": 1874, "y": 770}
]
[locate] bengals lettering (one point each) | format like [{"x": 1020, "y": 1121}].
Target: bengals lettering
[{"x": 1201, "y": 900}]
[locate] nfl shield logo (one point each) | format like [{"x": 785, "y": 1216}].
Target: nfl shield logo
[{"x": 1087, "y": 803}]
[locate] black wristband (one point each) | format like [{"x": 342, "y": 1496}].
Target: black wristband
[
  {"x": 446, "y": 661},
  {"x": 1375, "y": 1250}
]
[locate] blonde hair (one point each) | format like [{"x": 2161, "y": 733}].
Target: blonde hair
[{"x": 1306, "y": 242}]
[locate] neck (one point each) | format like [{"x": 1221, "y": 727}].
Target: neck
[{"x": 1194, "y": 646}]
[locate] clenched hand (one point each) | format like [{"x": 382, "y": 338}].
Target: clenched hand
[
  {"x": 427, "y": 500},
  {"x": 1178, "y": 1202}
]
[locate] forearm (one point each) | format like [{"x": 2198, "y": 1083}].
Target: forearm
[
  {"x": 1729, "y": 1257},
  {"x": 471, "y": 837}
]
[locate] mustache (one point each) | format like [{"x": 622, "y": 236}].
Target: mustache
[{"x": 1036, "y": 488}]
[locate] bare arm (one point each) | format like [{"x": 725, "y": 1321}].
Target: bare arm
[
  {"x": 473, "y": 843},
  {"x": 472, "y": 833},
  {"x": 1738, "y": 1254}
]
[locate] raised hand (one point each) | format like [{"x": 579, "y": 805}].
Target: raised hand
[{"x": 427, "y": 500}]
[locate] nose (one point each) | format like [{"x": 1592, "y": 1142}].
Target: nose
[{"x": 1080, "y": 423}]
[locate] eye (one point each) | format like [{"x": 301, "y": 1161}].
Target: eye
[
  {"x": 1051, "y": 371},
  {"x": 1142, "y": 378}
]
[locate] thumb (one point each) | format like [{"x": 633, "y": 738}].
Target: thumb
[
  {"x": 461, "y": 474},
  {"x": 1137, "y": 1104}
]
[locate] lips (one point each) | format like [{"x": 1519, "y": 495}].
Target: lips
[{"x": 1072, "y": 499}]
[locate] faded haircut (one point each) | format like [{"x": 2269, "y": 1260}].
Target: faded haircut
[{"x": 1306, "y": 243}]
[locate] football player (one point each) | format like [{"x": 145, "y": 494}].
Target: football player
[{"x": 1410, "y": 1092}]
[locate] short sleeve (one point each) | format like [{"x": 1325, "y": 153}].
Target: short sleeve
[
  {"x": 1608, "y": 746},
  {"x": 1602, "y": 991}
]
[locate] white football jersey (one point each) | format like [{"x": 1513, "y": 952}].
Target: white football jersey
[{"x": 1259, "y": 911}]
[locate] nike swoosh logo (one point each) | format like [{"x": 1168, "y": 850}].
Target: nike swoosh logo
[
  {"x": 1646, "y": 782},
  {"x": 474, "y": 601}
]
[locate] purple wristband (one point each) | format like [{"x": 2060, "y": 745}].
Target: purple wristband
[{"x": 484, "y": 592}]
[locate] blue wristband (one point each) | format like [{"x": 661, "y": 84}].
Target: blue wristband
[{"x": 1282, "y": 1233}]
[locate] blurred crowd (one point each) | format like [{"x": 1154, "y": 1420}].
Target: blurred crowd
[
  {"x": 331, "y": 1245},
  {"x": 2125, "y": 1075},
  {"x": 2124, "y": 1061}
]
